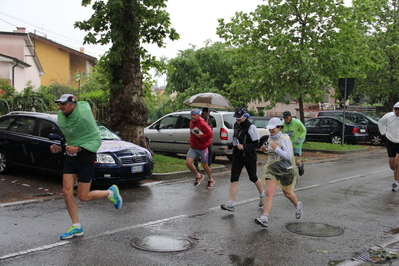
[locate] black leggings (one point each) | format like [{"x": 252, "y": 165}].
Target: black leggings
[{"x": 238, "y": 164}]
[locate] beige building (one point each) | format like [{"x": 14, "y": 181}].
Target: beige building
[{"x": 30, "y": 58}]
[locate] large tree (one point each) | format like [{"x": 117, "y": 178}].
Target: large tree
[
  {"x": 127, "y": 24},
  {"x": 295, "y": 48},
  {"x": 382, "y": 31},
  {"x": 206, "y": 69}
]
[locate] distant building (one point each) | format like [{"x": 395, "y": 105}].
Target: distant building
[
  {"x": 49, "y": 62},
  {"x": 18, "y": 61}
]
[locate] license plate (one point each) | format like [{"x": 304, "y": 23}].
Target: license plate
[
  {"x": 362, "y": 130},
  {"x": 137, "y": 169}
]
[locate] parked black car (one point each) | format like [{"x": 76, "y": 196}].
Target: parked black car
[
  {"x": 369, "y": 119},
  {"x": 329, "y": 129},
  {"x": 25, "y": 142}
]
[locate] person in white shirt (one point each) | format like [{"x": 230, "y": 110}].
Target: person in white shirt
[
  {"x": 389, "y": 128},
  {"x": 279, "y": 170}
]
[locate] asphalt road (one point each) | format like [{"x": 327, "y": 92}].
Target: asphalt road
[{"x": 350, "y": 192}]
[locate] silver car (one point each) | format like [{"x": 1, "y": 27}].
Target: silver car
[{"x": 170, "y": 133}]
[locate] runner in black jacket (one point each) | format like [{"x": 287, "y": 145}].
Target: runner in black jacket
[{"x": 244, "y": 145}]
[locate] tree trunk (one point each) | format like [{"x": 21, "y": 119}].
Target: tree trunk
[
  {"x": 127, "y": 110},
  {"x": 301, "y": 111}
]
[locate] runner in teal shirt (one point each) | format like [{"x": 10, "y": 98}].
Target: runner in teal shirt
[{"x": 297, "y": 131}]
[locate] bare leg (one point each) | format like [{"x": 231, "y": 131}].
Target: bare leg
[
  {"x": 396, "y": 168},
  {"x": 259, "y": 186},
  {"x": 189, "y": 164},
  {"x": 233, "y": 190},
  {"x": 292, "y": 197},
  {"x": 84, "y": 193},
  {"x": 208, "y": 170},
  {"x": 68, "y": 181},
  {"x": 271, "y": 186}
]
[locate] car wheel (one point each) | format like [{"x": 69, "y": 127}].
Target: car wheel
[
  {"x": 336, "y": 139},
  {"x": 376, "y": 139},
  {"x": 263, "y": 141},
  {"x": 4, "y": 163}
]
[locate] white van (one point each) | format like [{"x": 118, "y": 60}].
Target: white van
[{"x": 170, "y": 133}]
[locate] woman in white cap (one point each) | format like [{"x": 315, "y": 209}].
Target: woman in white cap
[{"x": 279, "y": 170}]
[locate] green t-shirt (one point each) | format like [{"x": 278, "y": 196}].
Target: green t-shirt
[
  {"x": 80, "y": 127},
  {"x": 297, "y": 132}
]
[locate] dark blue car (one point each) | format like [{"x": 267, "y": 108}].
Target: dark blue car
[
  {"x": 329, "y": 129},
  {"x": 25, "y": 142}
]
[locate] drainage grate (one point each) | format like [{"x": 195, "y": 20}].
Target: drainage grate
[
  {"x": 160, "y": 243},
  {"x": 314, "y": 229},
  {"x": 364, "y": 257}
]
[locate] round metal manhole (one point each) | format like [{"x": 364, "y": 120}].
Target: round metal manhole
[
  {"x": 314, "y": 229},
  {"x": 161, "y": 243}
]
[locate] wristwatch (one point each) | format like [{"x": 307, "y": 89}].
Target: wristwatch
[{"x": 79, "y": 149}]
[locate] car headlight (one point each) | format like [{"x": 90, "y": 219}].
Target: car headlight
[
  {"x": 105, "y": 158},
  {"x": 149, "y": 155}
]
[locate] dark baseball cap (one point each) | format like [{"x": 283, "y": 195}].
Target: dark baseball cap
[
  {"x": 286, "y": 114},
  {"x": 240, "y": 111},
  {"x": 66, "y": 98}
]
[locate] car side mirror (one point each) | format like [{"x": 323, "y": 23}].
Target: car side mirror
[{"x": 157, "y": 126}]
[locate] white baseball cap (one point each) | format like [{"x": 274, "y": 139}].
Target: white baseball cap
[
  {"x": 65, "y": 98},
  {"x": 274, "y": 122},
  {"x": 396, "y": 105}
]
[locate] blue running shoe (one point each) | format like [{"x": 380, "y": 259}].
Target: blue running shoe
[
  {"x": 116, "y": 198},
  {"x": 73, "y": 231}
]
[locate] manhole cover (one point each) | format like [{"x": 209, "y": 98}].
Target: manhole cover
[
  {"x": 162, "y": 243},
  {"x": 314, "y": 229}
]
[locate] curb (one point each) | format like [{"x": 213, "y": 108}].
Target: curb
[{"x": 181, "y": 174}]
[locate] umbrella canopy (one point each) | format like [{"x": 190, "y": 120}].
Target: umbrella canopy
[{"x": 210, "y": 100}]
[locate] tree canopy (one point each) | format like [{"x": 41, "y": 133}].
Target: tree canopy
[
  {"x": 382, "y": 33},
  {"x": 294, "y": 47},
  {"x": 200, "y": 70},
  {"x": 127, "y": 24}
]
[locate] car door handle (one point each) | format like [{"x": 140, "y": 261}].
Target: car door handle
[{"x": 170, "y": 134}]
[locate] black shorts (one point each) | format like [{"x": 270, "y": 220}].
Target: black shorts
[
  {"x": 84, "y": 171},
  {"x": 392, "y": 148}
]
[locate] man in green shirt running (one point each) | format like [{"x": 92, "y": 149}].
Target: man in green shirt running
[{"x": 297, "y": 132}]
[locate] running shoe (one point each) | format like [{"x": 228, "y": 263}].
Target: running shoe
[
  {"x": 211, "y": 183},
  {"x": 301, "y": 169},
  {"x": 227, "y": 207},
  {"x": 262, "y": 222},
  {"x": 395, "y": 187},
  {"x": 261, "y": 200},
  {"x": 73, "y": 231},
  {"x": 298, "y": 210},
  {"x": 198, "y": 180},
  {"x": 116, "y": 198}
]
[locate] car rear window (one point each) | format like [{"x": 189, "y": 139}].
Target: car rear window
[
  {"x": 260, "y": 123},
  {"x": 229, "y": 121}
]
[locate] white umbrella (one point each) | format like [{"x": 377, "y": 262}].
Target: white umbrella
[{"x": 210, "y": 100}]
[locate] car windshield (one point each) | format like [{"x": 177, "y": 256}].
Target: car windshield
[
  {"x": 372, "y": 116},
  {"x": 105, "y": 133}
]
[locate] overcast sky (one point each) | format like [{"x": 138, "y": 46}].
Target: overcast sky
[{"x": 195, "y": 21}]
